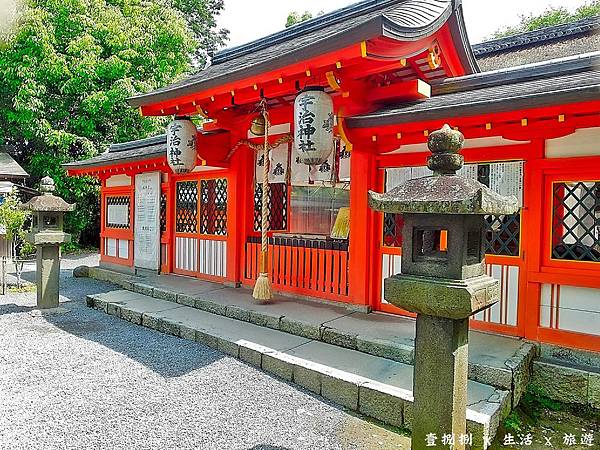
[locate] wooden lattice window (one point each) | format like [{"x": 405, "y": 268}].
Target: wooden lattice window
[
  {"x": 278, "y": 207},
  {"x": 502, "y": 234},
  {"x": 213, "y": 207},
  {"x": 392, "y": 230},
  {"x": 576, "y": 221},
  {"x": 186, "y": 211},
  {"x": 118, "y": 212}
]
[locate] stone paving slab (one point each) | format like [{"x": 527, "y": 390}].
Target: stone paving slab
[
  {"x": 499, "y": 361},
  {"x": 375, "y": 386}
]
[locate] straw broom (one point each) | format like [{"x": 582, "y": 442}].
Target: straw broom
[
  {"x": 341, "y": 227},
  {"x": 262, "y": 289}
]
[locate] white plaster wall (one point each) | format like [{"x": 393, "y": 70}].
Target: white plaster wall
[
  {"x": 584, "y": 142},
  {"x": 118, "y": 180}
]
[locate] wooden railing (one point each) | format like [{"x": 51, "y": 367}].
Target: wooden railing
[{"x": 309, "y": 267}]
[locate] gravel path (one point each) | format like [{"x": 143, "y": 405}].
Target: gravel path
[{"x": 85, "y": 380}]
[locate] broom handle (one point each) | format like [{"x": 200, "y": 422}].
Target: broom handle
[{"x": 265, "y": 198}]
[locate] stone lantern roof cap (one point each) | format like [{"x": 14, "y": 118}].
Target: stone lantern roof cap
[
  {"x": 48, "y": 202},
  {"x": 444, "y": 192}
]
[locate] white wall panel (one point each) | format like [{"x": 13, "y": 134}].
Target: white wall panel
[
  {"x": 123, "y": 248},
  {"x": 110, "y": 247},
  {"x": 504, "y": 311},
  {"x": 186, "y": 254},
  {"x": 390, "y": 265},
  {"x": 213, "y": 257},
  {"x": 570, "y": 308}
]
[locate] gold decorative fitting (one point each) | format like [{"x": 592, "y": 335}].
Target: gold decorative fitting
[
  {"x": 524, "y": 122},
  {"x": 434, "y": 58},
  {"x": 488, "y": 126},
  {"x": 561, "y": 118}
]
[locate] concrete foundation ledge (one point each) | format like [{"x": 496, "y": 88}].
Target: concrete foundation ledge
[
  {"x": 386, "y": 403},
  {"x": 567, "y": 382}
]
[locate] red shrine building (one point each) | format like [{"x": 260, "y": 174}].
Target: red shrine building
[{"x": 395, "y": 70}]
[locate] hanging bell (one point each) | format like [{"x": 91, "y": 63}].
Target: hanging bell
[{"x": 257, "y": 127}]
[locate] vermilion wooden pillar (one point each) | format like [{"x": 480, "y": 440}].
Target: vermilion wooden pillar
[
  {"x": 239, "y": 185},
  {"x": 363, "y": 177},
  {"x": 532, "y": 242}
]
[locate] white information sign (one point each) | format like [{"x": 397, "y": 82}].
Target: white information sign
[
  {"x": 507, "y": 179},
  {"x": 147, "y": 221},
  {"x": 117, "y": 214}
]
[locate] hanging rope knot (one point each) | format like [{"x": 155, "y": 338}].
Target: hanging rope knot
[{"x": 262, "y": 288}]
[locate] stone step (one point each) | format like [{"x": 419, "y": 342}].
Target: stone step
[
  {"x": 374, "y": 386},
  {"x": 494, "y": 360}
]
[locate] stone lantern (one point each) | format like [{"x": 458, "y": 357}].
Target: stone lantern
[
  {"x": 443, "y": 279},
  {"x": 47, "y": 235}
]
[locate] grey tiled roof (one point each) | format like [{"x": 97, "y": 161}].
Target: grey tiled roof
[
  {"x": 9, "y": 168},
  {"x": 542, "y": 36},
  {"x": 543, "y": 84},
  {"x": 402, "y": 19},
  {"x": 140, "y": 150}
]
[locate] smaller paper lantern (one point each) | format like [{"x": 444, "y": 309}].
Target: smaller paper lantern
[
  {"x": 181, "y": 145},
  {"x": 313, "y": 124}
]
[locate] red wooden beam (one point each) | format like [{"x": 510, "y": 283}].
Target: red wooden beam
[{"x": 327, "y": 60}]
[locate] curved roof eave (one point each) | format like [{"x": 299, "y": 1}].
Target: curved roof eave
[
  {"x": 432, "y": 14},
  {"x": 364, "y": 31}
]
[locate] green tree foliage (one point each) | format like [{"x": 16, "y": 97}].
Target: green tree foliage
[
  {"x": 201, "y": 17},
  {"x": 67, "y": 69},
  {"x": 295, "y": 17},
  {"x": 13, "y": 219},
  {"x": 552, "y": 16}
]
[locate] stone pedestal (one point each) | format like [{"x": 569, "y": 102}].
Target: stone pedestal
[
  {"x": 443, "y": 281},
  {"x": 48, "y": 276},
  {"x": 440, "y": 379},
  {"x": 47, "y": 235}
]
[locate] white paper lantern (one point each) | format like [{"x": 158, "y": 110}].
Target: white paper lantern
[
  {"x": 313, "y": 124},
  {"x": 181, "y": 145}
]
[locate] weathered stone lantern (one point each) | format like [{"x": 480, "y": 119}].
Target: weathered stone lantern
[
  {"x": 443, "y": 280},
  {"x": 47, "y": 235}
]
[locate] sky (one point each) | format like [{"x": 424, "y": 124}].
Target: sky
[{"x": 250, "y": 19}]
